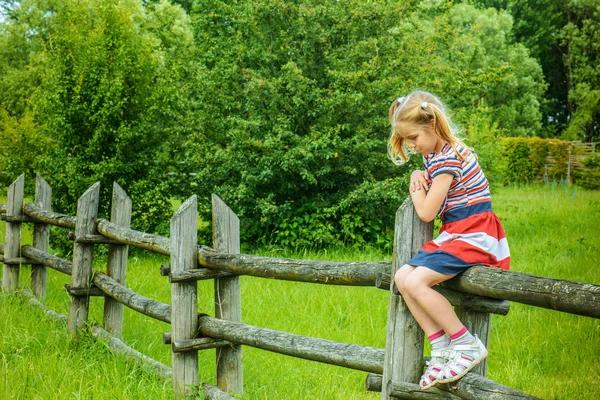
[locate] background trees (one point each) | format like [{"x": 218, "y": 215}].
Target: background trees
[{"x": 280, "y": 107}]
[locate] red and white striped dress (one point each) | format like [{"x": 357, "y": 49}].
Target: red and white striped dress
[{"x": 471, "y": 233}]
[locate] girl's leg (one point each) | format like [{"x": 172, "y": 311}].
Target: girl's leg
[
  {"x": 466, "y": 351},
  {"x": 418, "y": 285},
  {"x": 429, "y": 326},
  {"x": 435, "y": 334}
]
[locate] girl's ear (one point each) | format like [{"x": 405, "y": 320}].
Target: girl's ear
[{"x": 431, "y": 124}]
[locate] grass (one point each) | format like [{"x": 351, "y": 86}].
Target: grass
[{"x": 552, "y": 232}]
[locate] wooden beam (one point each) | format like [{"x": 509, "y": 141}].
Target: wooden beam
[
  {"x": 49, "y": 217},
  {"x": 352, "y": 356}
]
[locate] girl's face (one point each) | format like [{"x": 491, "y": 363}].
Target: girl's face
[{"x": 422, "y": 140}]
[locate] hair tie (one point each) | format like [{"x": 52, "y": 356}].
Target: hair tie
[
  {"x": 400, "y": 100},
  {"x": 424, "y": 105}
]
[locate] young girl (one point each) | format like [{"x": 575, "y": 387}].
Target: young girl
[{"x": 453, "y": 185}]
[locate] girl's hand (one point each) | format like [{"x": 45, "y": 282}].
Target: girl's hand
[{"x": 419, "y": 180}]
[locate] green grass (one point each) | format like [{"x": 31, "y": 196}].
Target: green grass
[{"x": 552, "y": 232}]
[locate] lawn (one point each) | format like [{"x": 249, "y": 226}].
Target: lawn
[{"x": 552, "y": 232}]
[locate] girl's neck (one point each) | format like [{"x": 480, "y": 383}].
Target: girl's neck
[{"x": 439, "y": 146}]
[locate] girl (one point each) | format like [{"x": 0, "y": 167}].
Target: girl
[{"x": 453, "y": 185}]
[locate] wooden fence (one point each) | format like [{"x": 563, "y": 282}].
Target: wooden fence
[{"x": 394, "y": 370}]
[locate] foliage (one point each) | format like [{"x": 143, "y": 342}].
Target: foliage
[
  {"x": 589, "y": 178},
  {"x": 22, "y": 147},
  {"x": 112, "y": 103},
  {"x": 581, "y": 36},
  {"x": 523, "y": 160},
  {"x": 564, "y": 37},
  {"x": 294, "y": 98}
]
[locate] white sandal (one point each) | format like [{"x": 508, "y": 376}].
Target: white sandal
[
  {"x": 461, "y": 359},
  {"x": 434, "y": 368}
]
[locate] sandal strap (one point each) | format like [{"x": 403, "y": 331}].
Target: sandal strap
[
  {"x": 438, "y": 353},
  {"x": 466, "y": 347}
]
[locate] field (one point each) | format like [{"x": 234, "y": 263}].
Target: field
[{"x": 552, "y": 231}]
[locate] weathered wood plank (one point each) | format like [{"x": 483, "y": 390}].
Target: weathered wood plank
[
  {"x": 14, "y": 204},
  {"x": 561, "y": 295},
  {"x": 214, "y": 393},
  {"x": 49, "y": 217},
  {"x": 119, "y": 347},
  {"x": 313, "y": 271},
  {"x": 83, "y": 255},
  {"x": 19, "y": 219},
  {"x": 456, "y": 298},
  {"x": 471, "y": 386},
  {"x": 404, "y": 337},
  {"x": 199, "y": 344},
  {"x": 116, "y": 266},
  {"x": 113, "y": 343},
  {"x": 197, "y": 274},
  {"x": 17, "y": 261},
  {"x": 92, "y": 239},
  {"x": 87, "y": 291},
  {"x": 32, "y": 299},
  {"x": 352, "y": 356},
  {"x": 131, "y": 299},
  {"x": 141, "y": 240},
  {"x": 46, "y": 259},
  {"x": 109, "y": 286},
  {"x": 41, "y": 237},
  {"x": 184, "y": 298},
  {"x": 228, "y": 302}
]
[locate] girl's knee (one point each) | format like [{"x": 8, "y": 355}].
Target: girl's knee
[
  {"x": 401, "y": 276},
  {"x": 414, "y": 284}
]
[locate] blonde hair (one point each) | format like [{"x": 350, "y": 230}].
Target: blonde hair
[{"x": 418, "y": 110}]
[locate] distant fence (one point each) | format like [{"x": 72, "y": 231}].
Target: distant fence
[
  {"x": 576, "y": 152},
  {"x": 394, "y": 371}
]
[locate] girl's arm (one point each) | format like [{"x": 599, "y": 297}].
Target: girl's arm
[{"x": 427, "y": 204}]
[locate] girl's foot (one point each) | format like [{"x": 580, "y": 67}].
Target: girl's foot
[
  {"x": 462, "y": 357},
  {"x": 434, "y": 368}
]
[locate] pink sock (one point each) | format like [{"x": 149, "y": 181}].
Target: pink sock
[
  {"x": 439, "y": 340},
  {"x": 462, "y": 336}
]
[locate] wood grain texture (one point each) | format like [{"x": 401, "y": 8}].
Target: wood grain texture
[
  {"x": 41, "y": 237},
  {"x": 184, "y": 297},
  {"x": 14, "y": 205},
  {"x": 228, "y": 302},
  {"x": 116, "y": 266}
]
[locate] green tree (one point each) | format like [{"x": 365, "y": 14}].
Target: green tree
[
  {"x": 294, "y": 99},
  {"x": 582, "y": 37},
  {"x": 108, "y": 94}
]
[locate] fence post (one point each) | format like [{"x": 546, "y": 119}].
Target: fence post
[
  {"x": 403, "y": 360},
  {"x": 478, "y": 323},
  {"x": 83, "y": 257},
  {"x": 12, "y": 250},
  {"x": 41, "y": 237},
  {"x": 228, "y": 303},
  {"x": 116, "y": 268},
  {"x": 184, "y": 296}
]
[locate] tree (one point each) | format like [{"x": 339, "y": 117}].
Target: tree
[
  {"x": 582, "y": 37},
  {"x": 294, "y": 99}
]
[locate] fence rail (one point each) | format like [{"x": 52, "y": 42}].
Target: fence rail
[{"x": 476, "y": 294}]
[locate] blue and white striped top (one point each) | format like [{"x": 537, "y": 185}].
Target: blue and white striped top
[{"x": 469, "y": 186}]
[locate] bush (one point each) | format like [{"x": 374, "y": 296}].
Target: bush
[
  {"x": 523, "y": 160},
  {"x": 590, "y": 178}
]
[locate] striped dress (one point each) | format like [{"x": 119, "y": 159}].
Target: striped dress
[{"x": 471, "y": 233}]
